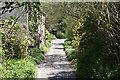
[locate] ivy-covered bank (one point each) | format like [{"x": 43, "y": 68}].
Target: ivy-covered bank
[{"x": 15, "y": 62}]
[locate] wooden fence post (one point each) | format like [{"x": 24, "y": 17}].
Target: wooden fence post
[
  {"x": 43, "y": 30},
  {"x": 27, "y": 34}
]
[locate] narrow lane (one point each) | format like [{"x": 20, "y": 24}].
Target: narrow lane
[{"x": 55, "y": 64}]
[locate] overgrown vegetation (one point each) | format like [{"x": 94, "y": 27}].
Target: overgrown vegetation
[
  {"x": 15, "y": 62},
  {"x": 70, "y": 52},
  {"x": 17, "y": 68},
  {"x": 20, "y": 49},
  {"x": 93, "y": 29},
  {"x": 36, "y": 55},
  {"x": 96, "y": 56}
]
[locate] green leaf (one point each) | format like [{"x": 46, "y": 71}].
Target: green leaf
[
  {"x": 12, "y": 18},
  {"x": 2, "y": 34},
  {"x": 11, "y": 36},
  {"x": 3, "y": 53},
  {"x": 13, "y": 39},
  {"x": 40, "y": 20}
]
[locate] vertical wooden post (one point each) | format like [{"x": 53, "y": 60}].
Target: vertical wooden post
[
  {"x": 27, "y": 36},
  {"x": 39, "y": 35},
  {"x": 43, "y": 30}
]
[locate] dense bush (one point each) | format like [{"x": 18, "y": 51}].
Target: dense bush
[
  {"x": 21, "y": 68},
  {"x": 60, "y": 35},
  {"x": 47, "y": 35},
  {"x": 15, "y": 62},
  {"x": 67, "y": 44},
  {"x": 95, "y": 60},
  {"x": 13, "y": 43},
  {"x": 70, "y": 23},
  {"x": 70, "y": 53},
  {"x": 52, "y": 36},
  {"x": 44, "y": 49},
  {"x": 36, "y": 55},
  {"x": 48, "y": 43}
]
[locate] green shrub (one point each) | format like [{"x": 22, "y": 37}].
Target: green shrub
[
  {"x": 52, "y": 36},
  {"x": 67, "y": 47},
  {"x": 48, "y": 43},
  {"x": 22, "y": 68},
  {"x": 69, "y": 33},
  {"x": 36, "y": 55},
  {"x": 43, "y": 49},
  {"x": 90, "y": 66},
  {"x": 71, "y": 54},
  {"x": 68, "y": 43},
  {"x": 14, "y": 44},
  {"x": 60, "y": 35},
  {"x": 47, "y": 35},
  {"x": 74, "y": 61}
]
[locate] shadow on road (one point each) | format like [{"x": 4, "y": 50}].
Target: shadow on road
[
  {"x": 63, "y": 74},
  {"x": 59, "y": 48},
  {"x": 56, "y": 66},
  {"x": 58, "y": 44},
  {"x": 55, "y": 62}
]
